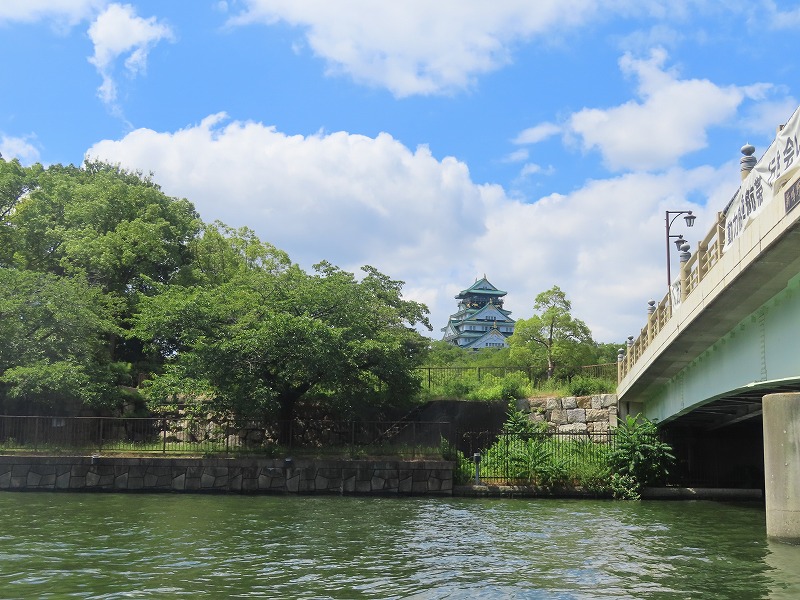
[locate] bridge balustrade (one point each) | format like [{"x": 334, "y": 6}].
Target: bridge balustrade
[{"x": 693, "y": 271}]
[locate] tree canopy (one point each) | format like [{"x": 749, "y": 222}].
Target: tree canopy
[
  {"x": 552, "y": 335},
  {"x": 265, "y": 335},
  {"x": 104, "y": 277}
]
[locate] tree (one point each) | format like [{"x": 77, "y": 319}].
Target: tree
[
  {"x": 266, "y": 336},
  {"x": 553, "y": 334},
  {"x": 53, "y": 355}
]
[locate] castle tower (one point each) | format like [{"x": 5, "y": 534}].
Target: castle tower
[{"x": 481, "y": 321}]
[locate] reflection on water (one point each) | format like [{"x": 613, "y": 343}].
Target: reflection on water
[{"x": 163, "y": 546}]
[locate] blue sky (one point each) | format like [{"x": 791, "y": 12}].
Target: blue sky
[{"x": 537, "y": 143}]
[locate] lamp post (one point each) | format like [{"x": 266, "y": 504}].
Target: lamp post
[{"x": 689, "y": 218}]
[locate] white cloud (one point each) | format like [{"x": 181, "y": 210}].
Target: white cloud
[
  {"x": 116, "y": 32},
  {"x": 69, "y": 12},
  {"x": 519, "y": 155},
  {"x": 418, "y": 46},
  {"x": 358, "y": 200},
  {"x": 670, "y": 120},
  {"x": 780, "y": 19},
  {"x": 19, "y": 147},
  {"x": 537, "y": 133},
  {"x": 534, "y": 169}
]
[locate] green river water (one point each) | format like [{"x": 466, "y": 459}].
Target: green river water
[{"x": 170, "y": 546}]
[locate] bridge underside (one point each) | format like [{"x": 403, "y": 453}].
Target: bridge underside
[{"x": 737, "y": 407}]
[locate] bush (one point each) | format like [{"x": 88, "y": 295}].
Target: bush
[
  {"x": 639, "y": 456},
  {"x": 588, "y": 386},
  {"x": 508, "y": 387}
]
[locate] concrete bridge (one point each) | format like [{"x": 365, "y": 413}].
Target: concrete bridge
[{"x": 729, "y": 332}]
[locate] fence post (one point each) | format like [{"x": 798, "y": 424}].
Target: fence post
[
  {"x": 164, "y": 435},
  {"x": 429, "y": 379}
]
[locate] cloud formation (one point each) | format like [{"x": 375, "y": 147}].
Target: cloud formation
[
  {"x": 116, "y": 32},
  {"x": 69, "y": 12},
  {"x": 357, "y": 200},
  {"x": 417, "y": 46},
  {"x": 18, "y": 147},
  {"x": 669, "y": 119}
]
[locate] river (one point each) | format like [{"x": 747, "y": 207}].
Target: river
[{"x": 201, "y": 546}]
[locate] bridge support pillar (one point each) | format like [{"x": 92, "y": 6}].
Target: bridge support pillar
[{"x": 781, "y": 418}]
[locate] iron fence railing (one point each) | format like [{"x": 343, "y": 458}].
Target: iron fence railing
[
  {"x": 507, "y": 457},
  {"x": 167, "y": 435},
  {"x": 438, "y": 376}
]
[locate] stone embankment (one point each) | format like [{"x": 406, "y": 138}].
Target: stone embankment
[
  {"x": 236, "y": 475},
  {"x": 581, "y": 414}
]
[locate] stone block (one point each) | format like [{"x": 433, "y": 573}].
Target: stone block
[
  {"x": 179, "y": 482},
  {"x": 608, "y": 400},
  {"x": 121, "y": 481},
  {"x": 569, "y": 402},
  {"x": 136, "y": 483},
  {"x": 537, "y": 404},
  {"x": 553, "y": 403},
  {"x": 596, "y": 414},
  {"x": 419, "y": 487},
  {"x": 405, "y": 484},
  {"x": 92, "y": 479},
  {"x": 62, "y": 481},
  {"x": 573, "y": 428},
  {"x": 598, "y": 427},
  {"x": 377, "y": 483},
  {"x": 33, "y": 479},
  {"x": 559, "y": 417},
  {"x": 576, "y": 415},
  {"x": 48, "y": 481},
  {"x": 584, "y": 402}
]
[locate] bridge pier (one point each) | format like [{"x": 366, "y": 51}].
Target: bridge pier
[{"x": 781, "y": 418}]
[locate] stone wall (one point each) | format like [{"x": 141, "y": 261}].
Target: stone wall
[
  {"x": 582, "y": 414},
  {"x": 238, "y": 475}
]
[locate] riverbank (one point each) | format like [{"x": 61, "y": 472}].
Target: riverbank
[
  {"x": 653, "y": 493},
  {"x": 244, "y": 475}
]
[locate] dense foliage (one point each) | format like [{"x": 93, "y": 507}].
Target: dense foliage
[
  {"x": 105, "y": 281},
  {"x": 640, "y": 458},
  {"x": 526, "y": 453}
]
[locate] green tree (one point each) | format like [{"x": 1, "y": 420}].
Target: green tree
[
  {"x": 552, "y": 334},
  {"x": 53, "y": 355},
  {"x": 268, "y": 335},
  {"x": 114, "y": 228}
]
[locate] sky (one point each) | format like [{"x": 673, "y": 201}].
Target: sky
[{"x": 536, "y": 143}]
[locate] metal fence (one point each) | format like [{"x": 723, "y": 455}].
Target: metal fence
[
  {"x": 507, "y": 457},
  {"x": 432, "y": 377},
  {"x": 167, "y": 435}
]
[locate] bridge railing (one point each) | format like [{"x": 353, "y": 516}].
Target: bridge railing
[{"x": 693, "y": 271}]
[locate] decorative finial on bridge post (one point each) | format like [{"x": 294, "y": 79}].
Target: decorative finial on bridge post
[
  {"x": 620, "y": 354},
  {"x": 651, "y": 307},
  {"x": 685, "y": 255},
  {"x": 748, "y": 161},
  {"x": 630, "y": 341}
]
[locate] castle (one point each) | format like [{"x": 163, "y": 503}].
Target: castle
[{"x": 481, "y": 321}]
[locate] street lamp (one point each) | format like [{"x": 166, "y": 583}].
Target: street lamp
[{"x": 689, "y": 218}]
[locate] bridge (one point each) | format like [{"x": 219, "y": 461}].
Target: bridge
[{"x": 728, "y": 333}]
